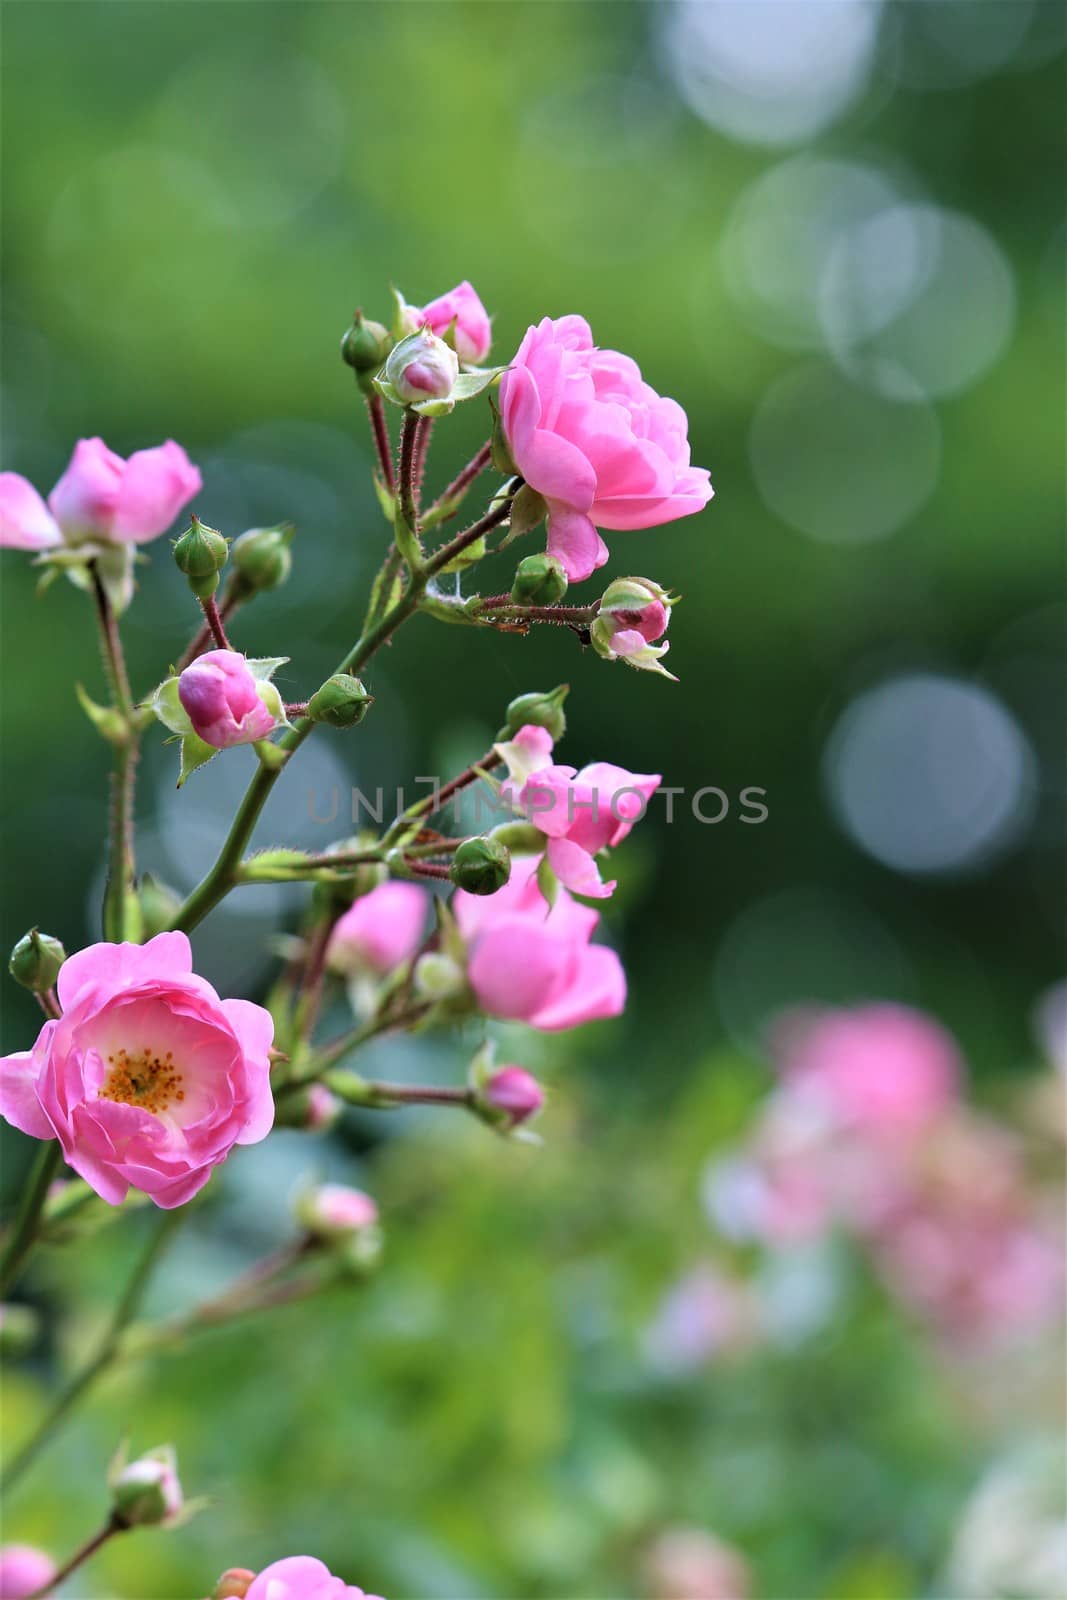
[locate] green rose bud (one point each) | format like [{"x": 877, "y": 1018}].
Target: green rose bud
[
  {"x": 542, "y": 710},
  {"x": 341, "y": 702},
  {"x": 36, "y": 960},
  {"x": 147, "y": 1492},
  {"x": 19, "y": 1327},
  {"x": 159, "y": 905},
  {"x": 261, "y": 557},
  {"x": 481, "y": 866},
  {"x": 201, "y": 553},
  {"x": 539, "y": 581},
  {"x": 365, "y": 347}
]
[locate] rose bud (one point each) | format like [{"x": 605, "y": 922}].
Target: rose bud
[
  {"x": 538, "y": 711},
  {"x": 365, "y": 346},
  {"x": 225, "y": 702},
  {"x": 234, "y": 1584},
  {"x": 513, "y": 1095},
  {"x": 146, "y": 1492},
  {"x": 23, "y": 1571},
  {"x": 261, "y": 557},
  {"x": 539, "y": 581},
  {"x": 341, "y": 702},
  {"x": 421, "y": 367},
  {"x": 36, "y": 960},
  {"x": 201, "y": 553},
  {"x": 460, "y": 317},
  {"x": 334, "y": 1211},
  {"x": 634, "y": 612},
  {"x": 481, "y": 866}
]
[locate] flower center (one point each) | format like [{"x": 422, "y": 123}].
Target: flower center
[{"x": 146, "y": 1079}]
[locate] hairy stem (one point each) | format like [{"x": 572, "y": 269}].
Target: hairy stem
[
  {"x": 213, "y": 619},
  {"x": 234, "y": 595},
  {"x": 24, "y": 1230},
  {"x": 121, "y": 866},
  {"x": 380, "y": 435},
  {"x": 105, "y": 1353}
]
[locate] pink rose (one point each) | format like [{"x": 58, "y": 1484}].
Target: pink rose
[
  {"x": 334, "y": 1209},
  {"x": 532, "y": 964},
  {"x": 225, "y": 702},
  {"x": 602, "y": 447},
  {"x": 883, "y": 1067},
  {"x": 461, "y": 305},
  {"x": 23, "y": 1570},
  {"x": 382, "y": 929},
  {"x": 100, "y": 497},
  {"x": 148, "y": 1079},
  {"x": 302, "y": 1578}
]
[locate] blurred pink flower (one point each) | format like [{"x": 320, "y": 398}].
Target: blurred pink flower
[
  {"x": 336, "y": 1209},
  {"x": 689, "y": 1564},
  {"x": 882, "y": 1067},
  {"x": 514, "y": 1092},
  {"x": 601, "y": 446},
  {"x": 100, "y": 497},
  {"x": 534, "y": 964},
  {"x": 302, "y": 1578},
  {"x": 23, "y": 1570},
  {"x": 148, "y": 1079},
  {"x": 225, "y": 702},
  {"x": 380, "y": 930},
  {"x": 473, "y": 333},
  {"x": 705, "y": 1315}
]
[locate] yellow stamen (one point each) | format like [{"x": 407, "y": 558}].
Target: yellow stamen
[{"x": 146, "y": 1080}]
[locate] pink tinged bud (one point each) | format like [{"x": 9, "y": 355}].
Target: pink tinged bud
[
  {"x": 515, "y": 1093},
  {"x": 333, "y": 1210},
  {"x": 422, "y": 367},
  {"x": 23, "y": 1570},
  {"x": 25, "y": 521},
  {"x": 380, "y": 931},
  {"x": 302, "y": 1578},
  {"x": 323, "y": 1108},
  {"x": 147, "y": 1493},
  {"x": 225, "y": 702},
  {"x": 234, "y": 1584},
  {"x": 149, "y": 1079},
  {"x": 600, "y": 446},
  {"x": 462, "y": 311},
  {"x": 102, "y": 497}
]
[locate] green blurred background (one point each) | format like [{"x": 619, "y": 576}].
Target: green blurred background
[{"x": 834, "y": 232}]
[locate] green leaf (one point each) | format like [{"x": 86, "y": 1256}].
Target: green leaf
[
  {"x": 196, "y": 753},
  {"x": 475, "y": 381}
]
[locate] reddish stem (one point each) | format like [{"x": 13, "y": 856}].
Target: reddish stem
[
  {"x": 380, "y": 434},
  {"x": 213, "y": 618},
  {"x": 463, "y": 480}
]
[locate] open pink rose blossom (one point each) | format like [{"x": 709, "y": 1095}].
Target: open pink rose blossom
[
  {"x": 473, "y": 334},
  {"x": 596, "y": 441},
  {"x": 100, "y": 497},
  {"x": 302, "y": 1578},
  {"x": 532, "y": 964},
  {"x": 148, "y": 1079}
]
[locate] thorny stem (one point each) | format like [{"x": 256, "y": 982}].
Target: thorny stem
[
  {"x": 380, "y": 434},
  {"x": 422, "y": 445},
  {"x": 410, "y": 430},
  {"x": 121, "y": 867},
  {"x": 106, "y": 1352},
  {"x": 455, "y": 547},
  {"x": 214, "y": 622},
  {"x": 23, "y": 1234},
  {"x": 234, "y": 595}
]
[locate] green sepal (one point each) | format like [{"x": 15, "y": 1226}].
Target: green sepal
[
  {"x": 196, "y": 753},
  {"x": 109, "y": 723}
]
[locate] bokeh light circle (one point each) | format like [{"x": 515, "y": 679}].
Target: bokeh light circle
[
  {"x": 929, "y": 774},
  {"x": 839, "y": 463}
]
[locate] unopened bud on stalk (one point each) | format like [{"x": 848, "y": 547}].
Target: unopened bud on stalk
[
  {"x": 438, "y": 977},
  {"x": 36, "y": 960},
  {"x": 201, "y": 553},
  {"x": 234, "y": 1584},
  {"x": 345, "y": 1220},
  {"x": 421, "y": 367},
  {"x": 341, "y": 702},
  {"x": 481, "y": 866},
  {"x": 540, "y": 580},
  {"x": 542, "y": 710},
  {"x": 633, "y": 614},
  {"x": 364, "y": 347},
  {"x": 146, "y": 1492},
  {"x": 25, "y": 1570},
  {"x": 261, "y": 557},
  {"x": 513, "y": 1094},
  {"x": 314, "y": 1109}
]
